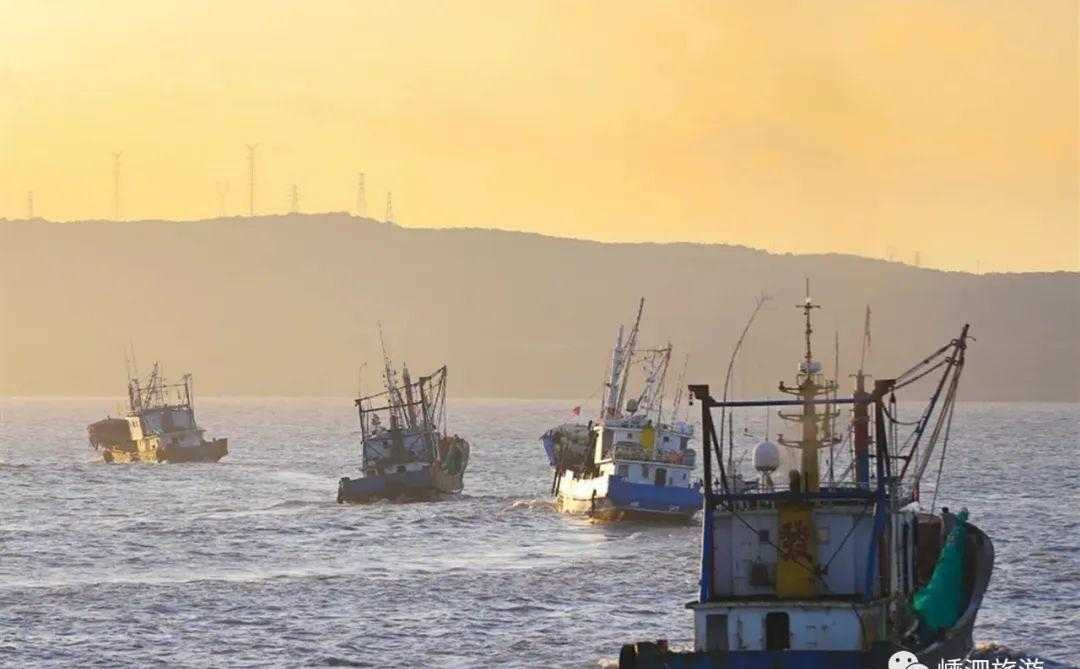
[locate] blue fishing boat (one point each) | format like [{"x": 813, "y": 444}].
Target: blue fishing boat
[
  {"x": 834, "y": 574},
  {"x": 629, "y": 463},
  {"x": 406, "y": 452}
]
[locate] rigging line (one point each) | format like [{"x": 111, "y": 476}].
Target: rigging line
[
  {"x": 906, "y": 423},
  {"x": 862, "y": 514},
  {"x": 944, "y": 361},
  {"x": 950, "y": 395},
  {"x": 760, "y": 302},
  {"x": 779, "y": 551},
  {"x": 944, "y": 447},
  {"x": 926, "y": 360},
  {"x": 955, "y": 365}
]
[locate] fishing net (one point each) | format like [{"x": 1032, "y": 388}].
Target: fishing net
[{"x": 941, "y": 602}]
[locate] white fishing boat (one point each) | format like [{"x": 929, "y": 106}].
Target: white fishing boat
[
  {"x": 848, "y": 574},
  {"x": 159, "y": 426},
  {"x": 629, "y": 463}
]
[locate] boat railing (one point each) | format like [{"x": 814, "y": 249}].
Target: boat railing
[
  {"x": 751, "y": 493},
  {"x": 637, "y": 452}
]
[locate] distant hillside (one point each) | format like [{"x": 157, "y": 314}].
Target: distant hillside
[{"x": 289, "y": 306}]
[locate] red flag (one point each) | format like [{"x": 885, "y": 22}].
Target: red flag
[{"x": 576, "y": 411}]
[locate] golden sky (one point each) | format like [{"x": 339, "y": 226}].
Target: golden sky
[{"x": 947, "y": 128}]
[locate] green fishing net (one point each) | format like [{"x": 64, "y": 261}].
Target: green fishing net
[{"x": 941, "y": 602}]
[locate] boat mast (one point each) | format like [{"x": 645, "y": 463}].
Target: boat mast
[
  {"x": 861, "y": 415},
  {"x": 659, "y": 394},
  {"x": 393, "y": 395},
  {"x": 811, "y": 385},
  {"x": 834, "y": 414},
  {"x": 611, "y": 407},
  {"x": 628, "y": 356},
  {"x": 410, "y": 413},
  {"x": 678, "y": 391},
  {"x": 652, "y": 394}
]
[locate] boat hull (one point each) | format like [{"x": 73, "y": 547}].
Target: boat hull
[
  {"x": 207, "y": 451},
  {"x": 954, "y": 644},
  {"x": 413, "y": 486},
  {"x": 613, "y": 499}
]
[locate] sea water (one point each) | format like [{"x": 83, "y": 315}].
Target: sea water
[{"x": 250, "y": 562}]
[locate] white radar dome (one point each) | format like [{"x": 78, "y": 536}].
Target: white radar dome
[{"x": 766, "y": 457}]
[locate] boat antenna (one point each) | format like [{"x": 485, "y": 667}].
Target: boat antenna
[
  {"x": 134, "y": 364},
  {"x": 758, "y": 304},
  {"x": 629, "y": 356},
  {"x": 678, "y": 390},
  {"x": 388, "y": 370},
  {"x": 768, "y": 419},
  {"x": 392, "y": 393},
  {"x": 865, "y": 341},
  {"x": 807, "y": 307},
  {"x": 834, "y": 414}
]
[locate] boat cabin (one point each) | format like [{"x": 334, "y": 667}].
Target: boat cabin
[
  {"x": 802, "y": 574},
  {"x": 637, "y": 440},
  {"x": 161, "y": 420}
]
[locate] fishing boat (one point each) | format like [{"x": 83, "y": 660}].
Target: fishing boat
[
  {"x": 159, "y": 426},
  {"x": 629, "y": 463},
  {"x": 848, "y": 574},
  {"x": 406, "y": 453}
]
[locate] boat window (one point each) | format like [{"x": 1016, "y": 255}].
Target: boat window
[
  {"x": 716, "y": 632},
  {"x": 777, "y": 631},
  {"x": 624, "y": 470},
  {"x": 645, "y": 471},
  {"x": 763, "y": 536},
  {"x": 661, "y": 476}
]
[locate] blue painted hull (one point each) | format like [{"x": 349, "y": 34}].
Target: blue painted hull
[
  {"x": 635, "y": 501},
  {"x": 644, "y": 497},
  {"x": 404, "y": 485}
]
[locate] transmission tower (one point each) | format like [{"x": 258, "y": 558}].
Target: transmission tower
[
  {"x": 361, "y": 196},
  {"x": 294, "y": 197},
  {"x": 116, "y": 185},
  {"x": 389, "y": 208},
  {"x": 29, "y": 204},
  {"x": 251, "y": 178}
]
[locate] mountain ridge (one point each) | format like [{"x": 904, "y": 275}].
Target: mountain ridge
[{"x": 287, "y": 305}]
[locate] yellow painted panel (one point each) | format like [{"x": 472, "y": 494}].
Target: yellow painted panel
[
  {"x": 795, "y": 571},
  {"x": 648, "y": 438}
]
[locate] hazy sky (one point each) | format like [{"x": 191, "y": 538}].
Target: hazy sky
[{"x": 945, "y": 128}]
